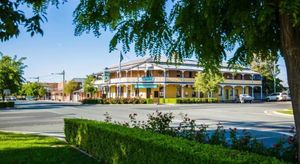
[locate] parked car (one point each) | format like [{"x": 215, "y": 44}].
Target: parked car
[
  {"x": 10, "y": 98},
  {"x": 277, "y": 97},
  {"x": 246, "y": 98}
]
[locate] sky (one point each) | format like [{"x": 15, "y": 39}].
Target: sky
[{"x": 59, "y": 49}]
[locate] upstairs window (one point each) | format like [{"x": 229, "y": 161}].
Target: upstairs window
[{"x": 178, "y": 74}]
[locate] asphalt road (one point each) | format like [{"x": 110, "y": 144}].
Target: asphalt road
[{"x": 47, "y": 117}]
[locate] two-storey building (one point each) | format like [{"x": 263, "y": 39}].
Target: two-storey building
[{"x": 147, "y": 78}]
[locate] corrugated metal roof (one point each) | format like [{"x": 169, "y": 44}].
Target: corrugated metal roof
[{"x": 164, "y": 63}]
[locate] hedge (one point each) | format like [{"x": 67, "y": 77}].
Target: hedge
[
  {"x": 117, "y": 101},
  {"x": 9, "y": 104},
  {"x": 110, "y": 143},
  {"x": 188, "y": 100}
]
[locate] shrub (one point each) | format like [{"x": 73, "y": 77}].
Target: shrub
[
  {"x": 149, "y": 101},
  {"x": 91, "y": 101},
  {"x": 118, "y": 144},
  {"x": 8, "y": 104},
  {"x": 118, "y": 101}
]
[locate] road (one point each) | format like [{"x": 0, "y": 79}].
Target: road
[{"x": 47, "y": 117}]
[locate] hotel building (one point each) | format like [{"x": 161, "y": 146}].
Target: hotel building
[{"x": 147, "y": 78}]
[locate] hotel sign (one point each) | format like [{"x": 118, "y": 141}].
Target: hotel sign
[
  {"x": 146, "y": 86},
  {"x": 106, "y": 76},
  {"x": 147, "y": 78}
]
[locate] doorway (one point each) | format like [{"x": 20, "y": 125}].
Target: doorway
[{"x": 148, "y": 94}]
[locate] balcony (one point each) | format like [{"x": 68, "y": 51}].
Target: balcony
[{"x": 176, "y": 80}]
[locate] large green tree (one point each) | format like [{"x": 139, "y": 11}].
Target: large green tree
[
  {"x": 88, "y": 85},
  {"x": 11, "y": 74},
  {"x": 13, "y": 16},
  {"x": 33, "y": 89},
  {"x": 207, "y": 82},
  {"x": 204, "y": 29},
  {"x": 269, "y": 69},
  {"x": 70, "y": 87}
]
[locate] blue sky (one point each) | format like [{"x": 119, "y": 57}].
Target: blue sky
[{"x": 58, "y": 49}]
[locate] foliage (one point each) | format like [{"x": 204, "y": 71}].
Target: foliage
[
  {"x": 12, "y": 16},
  {"x": 235, "y": 139},
  {"x": 196, "y": 100},
  {"x": 118, "y": 144},
  {"x": 207, "y": 82},
  {"x": 33, "y": 89},
  {"x": 70, "y": 87},
  {"x": 266, "y": 69},
  {"x": 25, "y": 148},
  {"x": 9, "y": 104},
  {"x": 214, "y": 27},
  {"x": 117, "y": 101},
  {"x": 88, "y": 85},
  {"x": 11, "y": 74},
  {"x": 268, "y": 85}
]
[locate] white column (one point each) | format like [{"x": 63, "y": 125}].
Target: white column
[
  {"x": 233, "y": 92},
  {"x": 243, "y": 89},
  {"x": 261, "y": 92},
  {"x": 165, "y": 80},
  {"x": 252, "y": 91},
  {"x": 222, "y": 93}
]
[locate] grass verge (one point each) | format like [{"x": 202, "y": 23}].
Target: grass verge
[
  {"x": 286, "y": 111},
  {"x": 24, "y": 148}
]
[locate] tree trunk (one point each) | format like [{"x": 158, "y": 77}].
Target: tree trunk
[{"x": 290, "y": 46}]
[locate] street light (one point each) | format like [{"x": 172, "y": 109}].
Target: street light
[
  {"x": 63, "y": 74},
  {"x": 37, "y": 78}
]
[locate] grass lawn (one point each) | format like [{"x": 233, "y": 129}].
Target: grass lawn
[
  {"x": 286, "y": 111},
  {"x": 24, "y": 148}
]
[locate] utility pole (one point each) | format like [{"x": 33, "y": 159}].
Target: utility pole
[
  {"x": 63, "y": 73},
  {"x": 274, "y": 76}
]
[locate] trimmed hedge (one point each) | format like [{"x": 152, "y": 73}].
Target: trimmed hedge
[
  {"x": 188, "y": 100},
  {"x": 111, "y": 143},
  {"x": 9, "y": 104},
  {"x": 117, "y": 101}
]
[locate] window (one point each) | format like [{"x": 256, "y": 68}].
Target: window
[{"x": 178, "y": 74}]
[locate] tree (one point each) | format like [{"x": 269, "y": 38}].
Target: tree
[
  {"x": 70, "y": 87},
  {"x": 88, "y": 85},
  {"x": 12, "y": 16},
  {"x": 33, "y": 89},
  {"x": 11, "y": 74},
  {"x": 207, "y": 82},
  {"x": 205, "y": 29},
  {"x": 269, "y": 69}
]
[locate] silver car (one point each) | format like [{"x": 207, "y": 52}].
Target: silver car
[{"x": 246, "y": 98}]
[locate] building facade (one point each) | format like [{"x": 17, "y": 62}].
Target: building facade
[{"x": 147, "y": 78}]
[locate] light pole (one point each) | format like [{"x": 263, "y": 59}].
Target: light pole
[
  {"x": 274, "y": 76},
  {"x": 63, "y": 87},
  {"x": 37, "y": 78}
]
